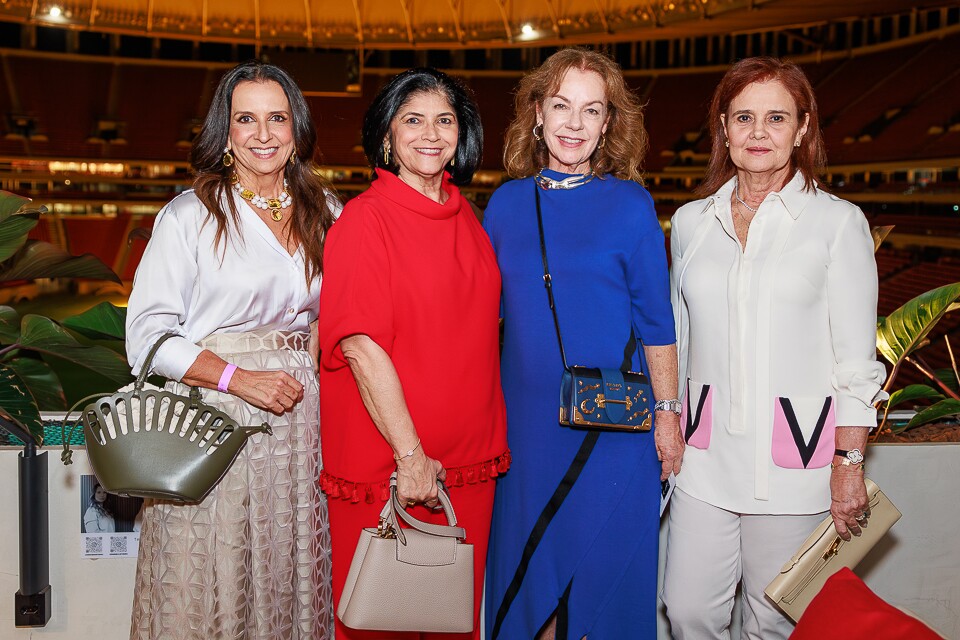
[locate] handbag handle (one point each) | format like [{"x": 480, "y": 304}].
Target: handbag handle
[
  {"x": 66, "y": 456},
  {"x": 393, "y": 509},
  {"x": 548, "y": 285},
  {"x": 145, "y": 370}
]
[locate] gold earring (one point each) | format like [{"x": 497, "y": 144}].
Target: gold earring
[
  {"x": 227, "y": 158},
  {"x": 538, "y": 136},
  {"x": 386, "y": 154},
  {"x": 293, "y": 158},
  {"x": 453, "y": 160},
  {"x": 797, "y": 143},
  {"x": 603, "y": 141}
]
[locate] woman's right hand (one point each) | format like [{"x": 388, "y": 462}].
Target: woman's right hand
[
  {"x": 417, "y": 479},
  {"x": 273, "y": 391}
]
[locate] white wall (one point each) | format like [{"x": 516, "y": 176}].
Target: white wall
[
  {"x": 916, "y": 566},
  {"x": 91, "y": 598}
]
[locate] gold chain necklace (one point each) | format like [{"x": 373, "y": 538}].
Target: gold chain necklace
[{"x": 275, "y": 205}]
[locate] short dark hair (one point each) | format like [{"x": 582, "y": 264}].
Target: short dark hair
[{"x": 376, "y": 122}]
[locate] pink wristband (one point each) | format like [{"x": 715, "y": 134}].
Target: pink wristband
[{"x": 226, "y": 377}]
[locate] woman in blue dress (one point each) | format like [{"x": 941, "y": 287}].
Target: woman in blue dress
[{"x": 573, "y": 547}]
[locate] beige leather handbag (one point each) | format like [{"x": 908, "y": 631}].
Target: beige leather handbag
[
  {"x": 416, "y": 578},
  {"x": 824, "y": 553}
]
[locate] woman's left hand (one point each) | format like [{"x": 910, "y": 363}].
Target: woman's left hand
[
  {"x": 669, "y": 443},
  {"x": 848, "y": 500}
]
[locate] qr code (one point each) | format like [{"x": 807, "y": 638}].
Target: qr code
[
  {"x": 118, "y": 545},
  {"x": 94, "y": 546}
]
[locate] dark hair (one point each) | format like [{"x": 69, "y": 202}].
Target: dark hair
[
  {"x": 310, "y": 191},
  {"x": 626, "y": 138},
  {"x": 809, "y": 158},
  {"x": 396, "y": 93},
  {"x": 101, "y": 508}
]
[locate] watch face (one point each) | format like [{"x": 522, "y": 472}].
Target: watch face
[{"x": 855, "y": 456}]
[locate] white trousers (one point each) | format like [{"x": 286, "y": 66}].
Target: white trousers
[{"x": 709, "y": 551}]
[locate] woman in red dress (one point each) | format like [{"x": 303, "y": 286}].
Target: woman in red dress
[{"x": 410, "y": 378}]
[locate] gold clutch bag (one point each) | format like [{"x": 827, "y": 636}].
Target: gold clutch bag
[{"x": 824, "y": 553}]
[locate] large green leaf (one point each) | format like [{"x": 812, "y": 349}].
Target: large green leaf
[
  {"x": 10, "y": 203},
  {"x": 43, "y": 383},
  {"x": 43, "y": 260},
  {"x": 913, "y": 392},
  {"x": 16, "y": 401},
  {"x": 13, "y": 233},
  {"x": 104, "y": 321},
  {"x": 901, "y": 332},
  {"x": 942, "y": 409},
  {"x": 9, "y": 325},
  {"x": 45, "y": 336}
]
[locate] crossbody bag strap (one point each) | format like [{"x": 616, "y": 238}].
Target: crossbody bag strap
[
  {"x": 547, "y": 280},
  {"x": 631, "y": 345}
]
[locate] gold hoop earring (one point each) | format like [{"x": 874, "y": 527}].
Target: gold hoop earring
[
  {"x": 386, "y": 154},
  {"x": 603, "y": 141},
  {"x": 293, "y": 158},
  {"x": 538, "y": 136},
  {"x": 227, "y": 157}
]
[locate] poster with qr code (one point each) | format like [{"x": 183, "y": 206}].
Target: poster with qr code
[{"x": 109, "y": 524}]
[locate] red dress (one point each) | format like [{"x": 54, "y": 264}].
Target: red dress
[{"x": 421, "y": 280}]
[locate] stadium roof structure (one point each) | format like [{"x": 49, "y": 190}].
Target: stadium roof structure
[{"x": 436, "y": 24}]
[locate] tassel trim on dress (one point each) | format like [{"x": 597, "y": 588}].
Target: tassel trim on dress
[{"x": 369, "y": 492}]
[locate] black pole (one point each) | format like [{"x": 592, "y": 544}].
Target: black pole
[{"x": 33, "y": 598}]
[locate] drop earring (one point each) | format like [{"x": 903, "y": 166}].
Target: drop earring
[
  {"x": 386, "y": 154},
  {"x": 227, "y": 157}
]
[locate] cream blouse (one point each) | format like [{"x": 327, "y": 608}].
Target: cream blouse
[
  {"x": 185, "y": 284},
  {"x": 777, "y": 346}
]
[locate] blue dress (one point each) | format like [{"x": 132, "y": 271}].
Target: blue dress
[{"x": 575, "y": 521}]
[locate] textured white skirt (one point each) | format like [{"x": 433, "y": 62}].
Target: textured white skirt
[{"x": 252, "y": 561}]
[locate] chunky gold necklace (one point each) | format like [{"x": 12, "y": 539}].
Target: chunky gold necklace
[{"x": 275, "y": 205}]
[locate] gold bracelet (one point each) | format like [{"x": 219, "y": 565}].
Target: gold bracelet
[
  {"x": 860, "y": 466},
  {"x": 408, "y": 454}
]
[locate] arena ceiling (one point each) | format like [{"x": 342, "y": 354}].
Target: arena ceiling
[{"x": 436, "y": 23}]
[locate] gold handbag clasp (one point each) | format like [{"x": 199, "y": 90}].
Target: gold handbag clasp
[
  {"x": 385, "y": 530},
  {"x": 602, "y": 401},
  {"x": 834, "y": 549}
]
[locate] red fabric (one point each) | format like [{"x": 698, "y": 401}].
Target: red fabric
[
  {"x": 338, "y": 488},
  {"x": 474, "y": 507},
  {"x": 846, "y": 609},
  {"x": 420, "y": 279}
]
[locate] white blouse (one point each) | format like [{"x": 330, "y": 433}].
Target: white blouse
[
  {"x": 777, "y": 346},
  {"x": 188, "y": 285}
]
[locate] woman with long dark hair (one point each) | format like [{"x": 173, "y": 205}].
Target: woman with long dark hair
[
  {"x": 233, "y": 269},
  {"x": 98, "y": 518}
]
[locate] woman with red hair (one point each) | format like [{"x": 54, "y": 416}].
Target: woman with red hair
[{"x": 775, "y": 294}]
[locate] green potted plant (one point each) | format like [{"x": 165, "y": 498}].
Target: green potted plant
[{"x": 29, "y": 343}]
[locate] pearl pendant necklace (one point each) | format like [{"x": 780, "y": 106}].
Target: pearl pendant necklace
[
  {"x": 740, "y": 200},
  {"x": 275, "y": 205}
]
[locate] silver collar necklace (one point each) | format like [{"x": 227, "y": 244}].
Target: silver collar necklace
[{"x": 571, "y": 182}]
